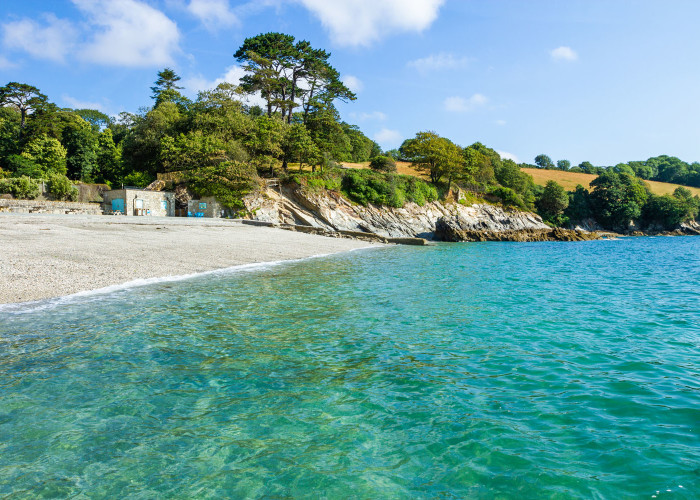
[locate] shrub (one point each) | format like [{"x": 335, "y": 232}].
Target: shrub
[
  {"x": 367, "y": 186},
  {"x": 507, "y": 196},
  {"x": 60, "y": 188},
  {"x": 382, "y": 164},
  {"x": 20, "y": 187},
  {"x": 138, "y": 179}
]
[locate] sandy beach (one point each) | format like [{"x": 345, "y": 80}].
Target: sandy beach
[{"x": 44, "y": 256}]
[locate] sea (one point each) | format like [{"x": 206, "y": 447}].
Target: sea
[{"x": 465, "y": 370}]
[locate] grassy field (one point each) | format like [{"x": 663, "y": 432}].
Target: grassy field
[
  {"x": 569, "y": 180},
  {"x": 402, "y": 167}
]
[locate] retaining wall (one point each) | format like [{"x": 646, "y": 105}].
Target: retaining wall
[{"x": 49, "y": 207}]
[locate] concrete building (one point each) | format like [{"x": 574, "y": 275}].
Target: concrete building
[
  {"x": 206, "y": 207},
  {"x": 134, "y": 201}
]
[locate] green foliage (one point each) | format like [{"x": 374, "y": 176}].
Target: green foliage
[
  {"x": 438, "y": 156},
  {"x": 382, "y": 164},
  {"x": 109, "y": 159},
  {"x": 22, "y": 97},
  {"x": 509, "y": 175},
  {"x": 228, "y": 182},
  {"x": 138, "y": 179},
  {"x": 552, "y": 202},
  {"x": 47, "y": 153},
  {"x": 563, "y": 164},
  {"x": 61, "y": 188},
  {"x": 386, "y": 189},
  {"x": 507, "y": 196},
  {"x": 298, "y": 146},
  {"x": 544, "y": 161},
  {"x": 81, "y": 143},
  {"x": 328, "y": 179},
  {"x": 21, "y": 166},
  {"x": 617, "y": 199},
  {"x": 22, "y": 188},
  {"x": 579, "y": 208}
]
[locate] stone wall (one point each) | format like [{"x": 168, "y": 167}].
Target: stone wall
[
  {"x": 206, "y": 207},
  {"x": 151, "y": 202},
  {"x": 49, "y": 207}
]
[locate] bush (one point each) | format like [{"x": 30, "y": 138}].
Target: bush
[
  {"x": 382, "y": 164},
  {"x": 507, "y": 196},
  {"x": 367, "y": 186},
  {"x": 22, "y": 188},
  {"x": 21, "y": 166},
  {"x": 138, "y": 179},
  {"x": 60, "y": 188}
]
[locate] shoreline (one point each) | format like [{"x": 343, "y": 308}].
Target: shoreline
[{"x": 62, "y": 256}]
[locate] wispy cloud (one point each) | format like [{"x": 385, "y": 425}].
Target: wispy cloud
[
  {"x": 362, "y": 22},
  {"x": 436, "y": 62},
  {"x": 129, "y": 33},
  {"x": 233, "y": 74},
  {"x": 500, "y": 123},
  {"x": 353, "y": 83},
  {"x": 373, "y": 116},
  {"x": 564, "y": 53},
  {"x": 461, "y": 105},
  {"x": 5, "y": 63},
  {"x": 508, "y": 156},
  {"x": 78, "y": 104},
  {"x": 388, "y": 137},
  {"x": 51, "y": 40},
  {"x": 214, "y": 14}
]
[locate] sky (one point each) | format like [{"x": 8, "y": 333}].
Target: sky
[{"x": 605, "y": 81}]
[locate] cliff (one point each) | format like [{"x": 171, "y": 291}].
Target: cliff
[{"x": 330, "y": 211}]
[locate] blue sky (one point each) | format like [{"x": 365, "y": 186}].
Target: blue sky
[{"x": 603, "y": 81}]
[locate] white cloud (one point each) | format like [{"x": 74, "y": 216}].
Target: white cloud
[
  {"x": 214, "y": 14},
  {"x": 373, "y": 116},
  {"x": 500, "y": 123},
  {"x": 508, "y": 156},
  {"x": 564, "y": 53},
  {"x": 130, "y": 33},
  {"x": 353, "y": 83},
  {"x": 439, "y": 61},
  {"x": 78, "y": 104},
  {"x": 5, "y": 63},
  {"x": 51, "y": 41},
  {"x": 462, "y": 105},
  {"x": 387, "y": 137},
  {"x": 361, "y": 22},
  {"x": 232, "y": 75}
]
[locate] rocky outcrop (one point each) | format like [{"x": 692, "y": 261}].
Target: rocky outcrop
[
  {"x": 456, "y": 229},
  {"x": 330, "y": 211}
]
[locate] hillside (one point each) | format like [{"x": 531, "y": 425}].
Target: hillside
[{"x": 569, "y": 180}]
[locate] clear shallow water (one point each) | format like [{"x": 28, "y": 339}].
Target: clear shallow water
[{"x": 494, "y": 370}]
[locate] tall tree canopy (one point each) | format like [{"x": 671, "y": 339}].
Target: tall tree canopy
[
  {"x": 289, "y": 74},
  {"x": 22, "y": 96}
]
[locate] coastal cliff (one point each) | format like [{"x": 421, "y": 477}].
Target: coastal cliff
[{"x": 330, "y": 211}]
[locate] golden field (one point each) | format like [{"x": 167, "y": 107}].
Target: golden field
[{"x": 569, "y": 180}]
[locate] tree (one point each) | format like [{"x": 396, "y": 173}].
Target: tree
[
  {"x": 24, "y": 97},
  {"x": 438, "y": 156},
  {"x": 277, "y": 69},
  {"x": 383, "y": 164},
  {"x": 167, "y": 81},
  {"x": 617, "y": 199},
  {"x": 47, "y": 153},
  {"x": 552, "y": 202},
  {"x": 563, "y": 164},
  {"x": 544, "y": 161},
  {"x": 109, "y": 164},
  {"x": 299, "y": 145},
  {"x": 81, "y": 142}
]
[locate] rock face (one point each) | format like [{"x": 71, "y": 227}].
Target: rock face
[
  {"x": 457, "y": 229},
  {"x": 448, "y": 222}
]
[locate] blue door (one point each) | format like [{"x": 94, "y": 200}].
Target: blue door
[{"x": 118, "y": 205}]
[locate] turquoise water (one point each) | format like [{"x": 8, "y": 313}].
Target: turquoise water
[{"x": 487, "y": 370}]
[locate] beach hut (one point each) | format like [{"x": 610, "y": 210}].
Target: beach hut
[{"x": 140, "y": 202}]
